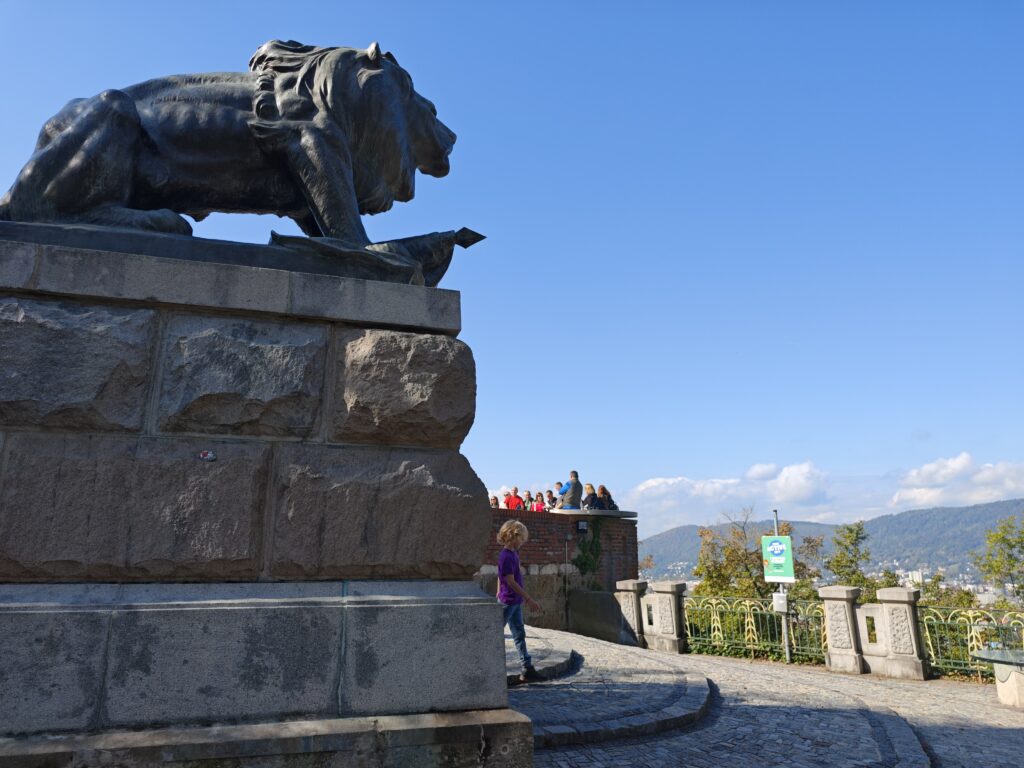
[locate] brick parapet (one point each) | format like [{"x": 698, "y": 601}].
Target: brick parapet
[{"x": 549, "y": 534}]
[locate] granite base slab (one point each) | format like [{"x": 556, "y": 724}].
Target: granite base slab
[
  {"x": 497, "y": 738},
  {"x": 91, "y": 657}
]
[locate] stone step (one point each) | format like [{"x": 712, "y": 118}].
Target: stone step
[
  {"x": 550, "y": 660},
  {"x": 556, "y": 664},
  {"x": 689, "y": 707},
  {"x": 596, "y": 699}
]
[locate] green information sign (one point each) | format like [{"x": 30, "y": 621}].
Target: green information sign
[{"x": 777, "y": 555}]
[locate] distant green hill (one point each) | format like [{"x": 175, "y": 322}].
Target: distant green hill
[{"x": 941, "y": 537}]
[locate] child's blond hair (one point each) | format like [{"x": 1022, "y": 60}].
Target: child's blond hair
[{"x": 510, "y": 531}]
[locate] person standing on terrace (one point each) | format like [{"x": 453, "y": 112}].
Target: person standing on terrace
[
  {"x": 571, "y": 494},
  {"x": 514, "y": 500}
]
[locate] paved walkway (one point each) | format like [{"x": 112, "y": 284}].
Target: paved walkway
[{"x": 768, "y": 714}]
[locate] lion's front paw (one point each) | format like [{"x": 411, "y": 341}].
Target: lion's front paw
[{"x": 164, "y": 220}]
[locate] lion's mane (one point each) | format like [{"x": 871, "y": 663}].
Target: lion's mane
[{"x": 296, "y": 82}]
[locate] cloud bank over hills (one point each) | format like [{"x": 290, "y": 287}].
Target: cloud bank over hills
[{"x": 805, "y": 491}]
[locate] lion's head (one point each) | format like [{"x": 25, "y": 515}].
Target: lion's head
[{"x": 390, "y": 130}]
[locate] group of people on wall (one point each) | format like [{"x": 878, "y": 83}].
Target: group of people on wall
[{"x": 571, "y": 495}]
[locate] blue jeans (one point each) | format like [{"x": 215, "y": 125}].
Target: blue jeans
[{"x": 514, "y": 620}]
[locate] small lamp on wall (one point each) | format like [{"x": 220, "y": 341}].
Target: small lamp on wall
[{"x": 581, "y": 526}]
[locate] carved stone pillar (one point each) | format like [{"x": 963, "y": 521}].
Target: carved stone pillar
[
  {"x": 844, "y": 653},
  {"x": 628, "y": 592},
  {"x": 661, "y": 612},
  {"x": 905, "y": 656}
]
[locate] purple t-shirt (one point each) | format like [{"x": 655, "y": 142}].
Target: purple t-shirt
[{"x": 508, "y": 562}]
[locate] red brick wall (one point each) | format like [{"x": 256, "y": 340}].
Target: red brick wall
[{"x": 546, "y": 545}]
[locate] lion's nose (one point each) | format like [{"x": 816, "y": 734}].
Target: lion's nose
[{"x": 446, "y": 136}]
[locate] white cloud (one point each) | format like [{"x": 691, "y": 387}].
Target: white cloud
[
  {"x": 959, "y": 481},
  {"x": 798, "y": 483},
  {"x": 762, "y": 472},
  {"x": 940, "y": 471},
  {"x": 668, "y": 501}
]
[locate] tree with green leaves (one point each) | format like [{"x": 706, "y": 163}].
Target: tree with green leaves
[
  {"x": 729, "y": 563},
  {"x": 1002, "y": 562},
  {"x": 849, "y": 553}
]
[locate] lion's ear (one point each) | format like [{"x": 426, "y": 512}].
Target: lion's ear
[{"x": 373, "y": 54}]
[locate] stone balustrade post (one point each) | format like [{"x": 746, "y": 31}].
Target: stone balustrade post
[
  {"x": 905, "y": 657},
  {"x": 628, "y": 592},
  {"x": 661, "y": 616},
  {"x": 844, "y": 653}
]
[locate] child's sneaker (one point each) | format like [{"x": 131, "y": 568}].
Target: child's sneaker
[{"x": 530, "y": 675}]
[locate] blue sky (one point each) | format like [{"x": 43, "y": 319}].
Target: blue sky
[{"x": 738, "y": 252}]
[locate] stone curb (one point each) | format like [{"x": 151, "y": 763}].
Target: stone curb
[
  {"x": 907, "y": 747},
  {"x": 687, "y": 709},
  {"x": 556, "y": 664}
]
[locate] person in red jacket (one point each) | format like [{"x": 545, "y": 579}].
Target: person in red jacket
[{"x": 514, "y": 501}]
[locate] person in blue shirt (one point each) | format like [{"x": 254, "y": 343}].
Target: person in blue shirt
[{"x": 571, "y": 494}]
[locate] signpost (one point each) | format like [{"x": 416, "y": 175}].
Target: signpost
[{"x": 777, "y": 556}]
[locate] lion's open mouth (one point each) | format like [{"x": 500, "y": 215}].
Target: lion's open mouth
[{"x": 437, "y": 168}]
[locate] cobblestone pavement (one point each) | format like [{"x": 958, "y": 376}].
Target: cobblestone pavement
[{"x": 768, "y": 714}]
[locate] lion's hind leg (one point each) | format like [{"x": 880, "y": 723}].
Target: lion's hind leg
[{"x": 84, "y": 162}]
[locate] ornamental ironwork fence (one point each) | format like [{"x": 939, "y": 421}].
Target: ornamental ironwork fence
[
  {"x": 736, "y": 626},
  {"x": 951, "y": 635}
]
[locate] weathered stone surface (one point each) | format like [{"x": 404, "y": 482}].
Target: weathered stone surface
[
  {"x": 244, "y": 377},
  {"x": 132, "y": 655},
  {"x": 120, "y": 508},
  {"x": 222, "y": 662},
  {"x": 369, "y": 512},
  {"x": 98, "y": 274},
  {"x": 51, "y": 668},
  {"x": 461, "y": 660},
  {"x": 369, "y": 302},
  {"x": 410, "y": 741},
  {"x": 73, "y": 366},
  {"x": 403, "y": 389}
]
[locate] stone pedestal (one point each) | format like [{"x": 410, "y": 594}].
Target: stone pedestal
[
  {"x": 234, "y": 496},
  {"x": 628, "y": 593},
  {"x": 844, "y": 654},
  {"x": 661, "y": 609},
  {"x": 904, "y": 654}
]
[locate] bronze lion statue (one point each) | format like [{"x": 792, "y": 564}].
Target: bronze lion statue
[{"x": 318, "y": 135}]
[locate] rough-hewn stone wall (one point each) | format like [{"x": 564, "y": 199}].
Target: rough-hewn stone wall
[{"x": 166, "y": 439}]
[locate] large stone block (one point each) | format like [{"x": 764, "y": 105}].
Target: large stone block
[
  {"x": 120, "y": 508},
  {"x": 226, "y": 662},
  {"x": 378, "y": 666},
  {"x": 495, "y": 738},
  {"x": 73, "y": 366},
  {"x": 403, "y": 389},
  {"x": 51, "y": 667},
  {"x": 241, "y": 377},
  {"x": 370, "y": 512},
  {"x": 140, "y": 655},
  {"x": 84, "y": 271}
]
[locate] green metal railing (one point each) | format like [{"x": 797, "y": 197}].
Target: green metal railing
[
  {"x": 950, "y": 635},
  {"x": 734, "y": 626}
]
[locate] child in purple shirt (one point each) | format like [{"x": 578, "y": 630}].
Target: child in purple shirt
[{"x": 511, "y": 595}]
